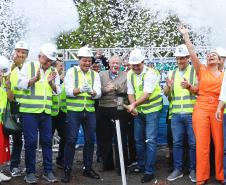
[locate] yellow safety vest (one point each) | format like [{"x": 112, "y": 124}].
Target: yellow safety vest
[
  {"x": 55, "y": 105},
  {"x": 182, "y": 99},
  {"x": 154, "y": 102},
  {"x": 14, "y": 78},
  {"x": 170, "y": 110},
  {"x": 59, "y": 102},
  {"x": 38, "y": 98},
  {"x": 83, "y": 101},
  {"x": 63, "y": 103},
  {"x": 3, "y": 100}
]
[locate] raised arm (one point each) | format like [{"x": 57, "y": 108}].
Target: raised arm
[{"x": 194, "y": 58}]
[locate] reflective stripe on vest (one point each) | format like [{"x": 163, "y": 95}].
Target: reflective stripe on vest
[
  {"x": 154, "y": 103},
  {"x": 182, "y": 99},
  {"x": 55, "y": 105},
  {"x": 14, "y": 78},
  {"x": 3, "y": 100},
  {"x": 55, "y": 102},
  {"x": 39, "y": 98},
  {"x": 63, "y": 102},
  {"x": 82, "y": 100},
  {"x": 170, "y": 110}
]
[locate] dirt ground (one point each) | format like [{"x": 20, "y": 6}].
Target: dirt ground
[{"x": 162, "y": 169}]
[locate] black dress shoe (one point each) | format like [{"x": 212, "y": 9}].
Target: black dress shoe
[
  {"x": 91, "y": 173},
  {"x": 147, "y": 178},
  {"x": 67, "y": 175}
]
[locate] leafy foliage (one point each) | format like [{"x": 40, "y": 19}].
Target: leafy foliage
[
  {"x": 11, "y": 28},
  {"x": 120, "y": 23}
]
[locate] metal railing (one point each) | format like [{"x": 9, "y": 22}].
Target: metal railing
[{"x": 149, "y": 52}]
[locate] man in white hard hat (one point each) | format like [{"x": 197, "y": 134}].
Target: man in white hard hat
[
  {"x": 19, "y": 57},
  {"x": 39, "y": 82},
  {"x": 144, "y": 94},
  {"x": 4, "y": 151},
  {"x": 181, "y": 86},
  {"x": 82, "y": 86}
]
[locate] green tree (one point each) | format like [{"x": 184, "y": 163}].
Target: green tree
[
  {"x": 120, "y": 23},
  {"x": 12, "y": 28}
]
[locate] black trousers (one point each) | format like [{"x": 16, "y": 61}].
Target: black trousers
[
  {"x": 106, "y": 132},
  {"x": 59, "y": 124},
  {"x": 131, "y": 140}
]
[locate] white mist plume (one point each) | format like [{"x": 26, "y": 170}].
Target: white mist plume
[
  {"x": 45, "y": 20},
  {"x": 208, "y": 14}
]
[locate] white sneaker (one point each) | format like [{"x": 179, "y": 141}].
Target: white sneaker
[
  {"x": 4, "y": 178},
  {"x": 16, "y": 172}
]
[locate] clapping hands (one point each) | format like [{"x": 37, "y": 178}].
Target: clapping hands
[
  {"x": 86, "y": 88},
  {"x": 51, "y": 77}
]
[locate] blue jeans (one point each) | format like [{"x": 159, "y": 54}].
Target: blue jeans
[
  {"x": 145, "y": 134},
  {"x": 16, "y": 150},
  {"x": 88, "y": 122},
  {"x": 31, "y": 124},
  {"x": 224, "y": 122},
  {"x": 181, "y": 125}
]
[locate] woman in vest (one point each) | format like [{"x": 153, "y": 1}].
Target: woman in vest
[
  {"x": 4, "y": 140},
  {"x": 205, "y": 123}
]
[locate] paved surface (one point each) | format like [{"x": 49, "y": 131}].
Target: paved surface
[{"x": 108, "y": 178}]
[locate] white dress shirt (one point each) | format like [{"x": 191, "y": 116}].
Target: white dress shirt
[
  {"x": 150, "y": 81},
  {"x": 70, "y": 84},
  {"x": 24, "y": 78},
  {"x": 223, "y": 90}
]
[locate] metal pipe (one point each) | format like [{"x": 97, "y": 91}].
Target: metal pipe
[{"x": 121, "y": 157}]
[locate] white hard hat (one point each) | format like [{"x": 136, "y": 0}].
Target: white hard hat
[
  {"x": 85, "y": 52},
  {"x": 49, "y": 50},
  {"x": 4, "y": 65},
  {"x": 21, "y": 45},
  {"x": 136, "y": 57},
  {"x": 181, "y": 51},
  {"x": 220, "y": 51}
]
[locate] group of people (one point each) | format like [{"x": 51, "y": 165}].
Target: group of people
[
  {"x": 93, "y": 98},
  {"x": 197, "y": 94}
]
